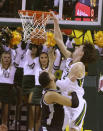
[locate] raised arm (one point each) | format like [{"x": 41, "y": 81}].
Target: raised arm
[
  {"x": 59, "y": 38},
  {"x": 51, "y": 59}
]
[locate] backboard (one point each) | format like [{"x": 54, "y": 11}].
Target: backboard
[
  {"x": 9, "y": 9},
  {"x": 76, "y": 14},
  {"x": 85, "y": 14}
]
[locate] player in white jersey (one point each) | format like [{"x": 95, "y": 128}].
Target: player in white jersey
[
  {"x": 74, "y": 117},
  {"x": 85, "y": 53},
  {"x": 68, "y": 84},
  {"x": 7, "y": 90}
]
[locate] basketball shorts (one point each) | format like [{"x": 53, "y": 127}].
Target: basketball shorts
[{"x": 76, "y": 116}]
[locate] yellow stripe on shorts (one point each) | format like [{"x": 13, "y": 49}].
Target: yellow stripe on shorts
[{"x": 80, "y": 117}]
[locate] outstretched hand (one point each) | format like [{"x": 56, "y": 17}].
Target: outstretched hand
[{"x": 53, "y": 16}]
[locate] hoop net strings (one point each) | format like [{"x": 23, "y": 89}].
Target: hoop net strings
[{"x": 33, "y": 25}]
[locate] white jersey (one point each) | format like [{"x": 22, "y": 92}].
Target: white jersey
[
  {"x": 22, "y": 61},
  {"x": 38, "y": 70},
  {"x": 7, "y": 76},
  {"x": 67, "y": 86},
  {"x": 30, "y": 66},
  {"x": 23, "y": 55},
  {"x": 62, "y": 65},
  {"x": 72, "y": 115},
  {"x": 66, "y": 68},
  {"x": 22, "y": 58}
]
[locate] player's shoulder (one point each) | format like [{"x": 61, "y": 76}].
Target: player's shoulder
[
  {"x": 79, "y": 69},
  {"x": 78, "y": 65}
]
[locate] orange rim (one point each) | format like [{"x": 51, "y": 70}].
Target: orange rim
[{"x": 30, "y": 13}]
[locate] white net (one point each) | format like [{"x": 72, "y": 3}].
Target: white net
[{"x": 34, "y": 25}]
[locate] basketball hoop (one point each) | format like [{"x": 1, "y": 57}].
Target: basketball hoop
[{"x": 33, "y": 23}]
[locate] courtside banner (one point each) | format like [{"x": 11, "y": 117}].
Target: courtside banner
[{"x": 82, "y": 10}]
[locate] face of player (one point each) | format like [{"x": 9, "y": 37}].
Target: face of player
[
  {"x": 44, "y": 60},
  {"x": 78, "y": 52},
  {"x": 6, "y": 59}
]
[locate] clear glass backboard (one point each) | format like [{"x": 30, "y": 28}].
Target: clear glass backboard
[{"x": 72, "y": 13}]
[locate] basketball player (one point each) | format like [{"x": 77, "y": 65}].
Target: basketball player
[
  {"x": 52, "y": 104},
  {"x": 85, "y": 54},
  {"x": 74, "y": 117},
  {"x": 52, "y": 101},
  {"x": 71, "y": 83}
]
